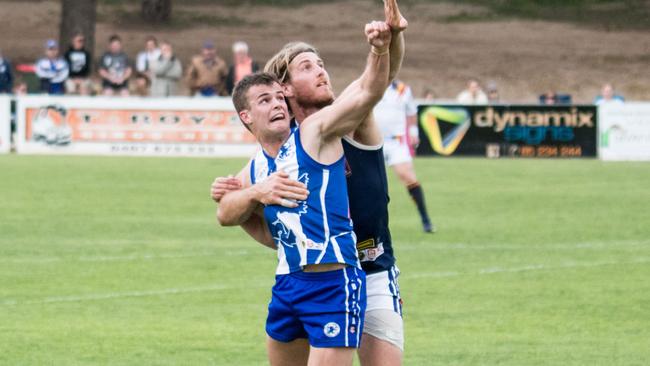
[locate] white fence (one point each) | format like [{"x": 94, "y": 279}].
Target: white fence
[{"x": 5, "y": 124}]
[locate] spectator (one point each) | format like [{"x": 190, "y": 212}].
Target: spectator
[
  {"x": 52, "y": 70},
  {"x": 429, "y": 95},
  {"x": 242, "y": 65},
  {"x": 114, "y": 69},
  {"x": 6, "y": 75},
  {"x": 143, "y": 62},
  {"x": 79, "y": 61},
  {"x": 166, "y": 70},
  {"x": 207, "y": 73},
  {"x": 473, "y": 94},
  {"x": 608, "y": 95},
  {"x": 20, "y": 88},
  {"x": 493, "y": 93},
  {"x": 548, "y": 98}
]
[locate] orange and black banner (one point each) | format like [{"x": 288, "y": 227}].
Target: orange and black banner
[{"x": 527, "y": 131}]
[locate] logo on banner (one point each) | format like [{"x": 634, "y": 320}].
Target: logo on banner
[
  {"x": 433, "y": 118},
  {"x": 49, "y": 125}
]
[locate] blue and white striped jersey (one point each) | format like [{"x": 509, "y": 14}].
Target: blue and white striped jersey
[{"x": 319, "y": 230}]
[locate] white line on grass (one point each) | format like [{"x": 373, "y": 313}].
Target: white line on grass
[
  {"x": 522, "y": 246},
  {"x": 403, "y": 247},
  {"x": 176, "y": 291},
  {"x": 533, "y": 267},
  {"x": 124, "y": 258},
  {"x": 120, "y": 295}
]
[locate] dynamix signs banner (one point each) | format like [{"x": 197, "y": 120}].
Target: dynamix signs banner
[
  {"x": 131, "y": 126},
  {"x": 5, "y": 124},
  {"x": 625, "y": 131},
  {"x": 508, "y": 131}
]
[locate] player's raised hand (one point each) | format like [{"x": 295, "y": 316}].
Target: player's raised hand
[
  {"x": 279, "y": 189},
  {"x": 394, "y": 18},
  {"x": 223, "y": 185},
  {"x": 378, "y": 34}
]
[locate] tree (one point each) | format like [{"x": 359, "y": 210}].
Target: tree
[
  {"x": 156, "y": 11},
  {"x": 78, "y": 16}
]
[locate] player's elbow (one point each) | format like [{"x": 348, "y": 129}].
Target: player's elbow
[{"x": 224, "y": 219}]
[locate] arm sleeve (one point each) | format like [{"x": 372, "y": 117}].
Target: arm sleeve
[{"x": 411, "y": 107}]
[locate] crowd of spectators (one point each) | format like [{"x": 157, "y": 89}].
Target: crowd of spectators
[
  {"x": 474, "y": 94},
  {"x": 158, "y": 72},
  {"x": 155, "y": 71}
]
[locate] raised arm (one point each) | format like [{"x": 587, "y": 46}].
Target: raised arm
[
  {"x": 397, "y": 25},
  {"x": 337, "y": 120}
]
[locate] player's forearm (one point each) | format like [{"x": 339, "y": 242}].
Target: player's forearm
[
  {"x": 396, "y": 54},
  {"x": 374, "y": 80},
  {"x": 257, "y": 229},
  {"x": 236, "y": 207}
]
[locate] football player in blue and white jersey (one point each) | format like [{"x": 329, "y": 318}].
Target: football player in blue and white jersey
[
  {"x": 383, "y": 336},
  {"x": 319, "y": 293}
]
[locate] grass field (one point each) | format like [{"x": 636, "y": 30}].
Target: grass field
[{"x": 119, "y": 261}]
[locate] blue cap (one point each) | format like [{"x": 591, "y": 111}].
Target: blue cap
[
  {"x": 208, "y": 44},
  {"x": 51, "y": 44}
]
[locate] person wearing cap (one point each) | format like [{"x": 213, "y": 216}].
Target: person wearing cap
[
  {"x": 79, "y": 61},
  {"x": 242, "y": 65},
  {"x": 52, "y": 70},
  {"x": 114, "y": 69},
  {"x": 206, "y": 75}
]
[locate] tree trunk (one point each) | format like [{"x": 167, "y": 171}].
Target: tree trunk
[
  {"x": 156, "y": 11},
  {"x": 78, "y": 16}
]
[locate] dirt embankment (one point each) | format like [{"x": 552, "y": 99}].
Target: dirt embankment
[{"x": 525, "y": 58}]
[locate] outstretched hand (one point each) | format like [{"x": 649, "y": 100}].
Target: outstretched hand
[
  {"x": 378, "y": 34},
  {"x": 394, "y": 18}
]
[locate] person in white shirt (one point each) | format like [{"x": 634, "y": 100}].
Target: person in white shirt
[
  {"x": 143, "y": 63},
  {"x": 473, "y": 94}
]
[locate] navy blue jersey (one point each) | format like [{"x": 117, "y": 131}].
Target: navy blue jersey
[{"x": 368, "y": 197}]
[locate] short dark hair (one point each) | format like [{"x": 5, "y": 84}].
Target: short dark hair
[
  {"x": 114, "y": 37},
  {"x": 239, "y": 97}
]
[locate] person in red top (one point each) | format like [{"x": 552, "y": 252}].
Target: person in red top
[{"x": 242, "y": 65}]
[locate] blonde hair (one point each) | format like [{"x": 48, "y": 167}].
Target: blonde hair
[{"x": 278, "y": 65}]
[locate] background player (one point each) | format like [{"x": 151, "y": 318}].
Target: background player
[{"x": 396, "y": 115}]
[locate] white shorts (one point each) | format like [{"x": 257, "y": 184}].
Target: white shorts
[
  {"x": 396, "y": 151},
  {"x": 383, "y": 318}
]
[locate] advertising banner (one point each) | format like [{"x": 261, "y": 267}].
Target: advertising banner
[
  {"x": 625, "y": 131},
  {"x": 531, "y": 131},
  {"x": 5, "y": 124},
  {"x": 131, "y": 126}
]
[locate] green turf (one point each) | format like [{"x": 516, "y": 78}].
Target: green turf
[{"x": 118, "y": 261}]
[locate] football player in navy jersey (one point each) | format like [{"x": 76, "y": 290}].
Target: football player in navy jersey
[
  {"x": 368, "y": 196},
  {"x": 320, "y": 292}
]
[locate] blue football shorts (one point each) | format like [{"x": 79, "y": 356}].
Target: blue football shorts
[{"x": 327, "y": 308}]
